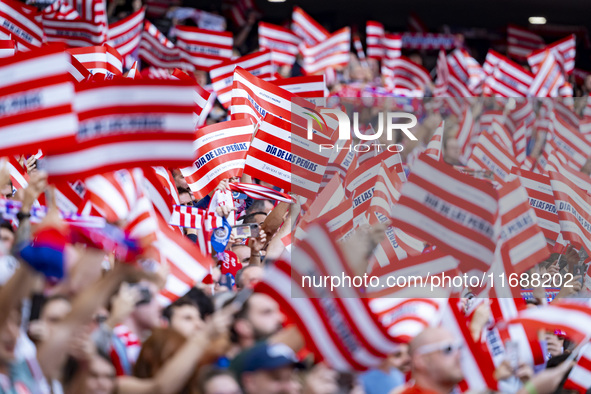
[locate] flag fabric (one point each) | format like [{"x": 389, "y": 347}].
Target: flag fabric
[
  {"x": 453, "y": 211},
  {"x": 260, "y": 192},
  {"x": 156, "y": 128},
  {"x": 134, "y": 72},
  {"x": 158, "y": 50},
  {"x": 505, "y": 78},
  {"x": 434, "y": 146},
  {"x": 520, "y": 142},
  {"x": 281, "y": 154},
  {"x": 158, "y": 186},
  {"x": 310, "y": 87},
  {"x": 18, "y": 175},
  {"x": 203, "y": 48},
  {"x": 331, "y": 52},
  {"x": 549, "y": 78},
  {"x": 115, "y": 194},
  {"x": 187, "y": 216},
  {"x": 521, "y": 42},
  {"x": 7, "y": 48},
  {"x": 392, "y": 48},
  {"x": 403, "y": 73},
  {"x": 565, "y": 50},
  {"x": 18, "y": 21},
  {"x": 488, "y": 154},
  {"x": 282, "y": 43},
  {"x": 570, "y": 142},
  {"x": 555, "y": 163},
  {"x": 573, "y": 206},
  {"x": 125, "y": 35},
  {"x": 523, "y": 242},
  {"x": 258, "y": 64},
  {"x": 220, "y": 153},
  {"x": 99, "y": 59},
  {"x": 341, "y": 331},
  {"x": 466, "y": 130},
  {"x": 502, "y": 135},
  {"x": 307, "y": 28},
  {"x": 78, "y": 72},
  {"x": 240, "y": 9},
  {"x": 374, "y": 32},
  {"x": 579, "y": 377},
  {"x": 541, "y": 199},
  {"x": 78, "y": 32},
  {"x": 37, "y": 95}
]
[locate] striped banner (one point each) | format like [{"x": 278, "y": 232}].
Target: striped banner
[
  {"x": 488, "y": 154},
  {"x": 307, "y": 28},
  {"x": 19, "y": 22},
  {"x": 331, "y": 52},
  {"x": 203, "y": 48},
  {"x": 99, "y": 60},
  {"x": 125, "y": 35},
  {"x": 282, "y": 43}
]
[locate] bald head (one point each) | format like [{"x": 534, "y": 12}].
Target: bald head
[{"x": 435, "y": 360}]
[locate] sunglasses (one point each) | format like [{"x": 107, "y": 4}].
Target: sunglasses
[{"x": 447, "y": 348}]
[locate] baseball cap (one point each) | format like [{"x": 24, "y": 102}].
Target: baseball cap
[{"x": 264, "y": 357}]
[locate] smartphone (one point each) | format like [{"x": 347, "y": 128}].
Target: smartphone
[
  {"x": 580, "y": 269},
  {"x": 146, "y": 295},
  {"x": 246, "y": 230}
]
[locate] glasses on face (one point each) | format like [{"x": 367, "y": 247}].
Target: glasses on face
[{"x": 446, "y": 348}]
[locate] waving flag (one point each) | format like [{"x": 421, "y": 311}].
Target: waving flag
[
  {"x": 523, "y": 242},
  {"x": 18, "y": 21},
  {"x": 331, "y": 52},
  {"x": 549, "y": 78},
  {"x": 579, "y": 377},
  {"x": 18, "y": 175},
  {"x": 126, "y": 34},
  {"x": 36, "y": 101},
  {"x": 434, "y": 146},
  {"x": 341, "y": 331},
  {"x": 374, "y": 32},
  {"x": 74, "y": 32},
  {"x": 187, "y": 216},
  {"x": 203, "y": 48},
  {"x": 502, "y": 135},
  {"x": 99, "y": 60},
  {"x": 466, "y": 130},
  {"x": 564, "y": 50},
  {"x": 488, "y": 154},
  {"x": 392, "y": 48},
  {"x": 282, "y": 43},
  {"x": 453, "y": 211},
  {"x": 309, "y": 87},
  {"x": 555, "y": 163},
  {"x": 158, "y": 51},
  {"x": 403, "y": 73},
  {"x": 281, "y": 154},
  {"x": 570, "y": 142},
  {"x": 521, "y": 42},
  {"x": 260, "y": 192},
  {"x": 307, "y": 28},
  {"x": 506, "y": 79},
  {"x": 220, "y": 151},
  {"x": 574, "y": 210},
  {"x": 258, "y": 64},
  {"x": 159, "y": 187},
  {"x": 541, "y": 199},
  {"x": 155, "y": 127}
]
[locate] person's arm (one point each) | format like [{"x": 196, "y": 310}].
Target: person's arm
[
  {"x": 175, "y": 373},
  {"x": 52, "y": 354},
  {"x": 17, "y": 288},
  {"x": 256, "y": 245},
  {"x": 547, "y": 381}
]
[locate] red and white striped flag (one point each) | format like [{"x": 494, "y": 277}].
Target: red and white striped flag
[
  {"x": 99, "y": 60},
  {"x": 488, "y": 154},
  {"x": 505, "y": 78},
  {"x": 453, "y": 211},
  {"x": 403, "y": 73},
  {"x": 564, "y": 51},
  {"x": 434, "y": 146},
  {"x": 574, "y": 210},
  {"x": 502, "y": 135},
  {"x": 160, "y": 188},
  {"x": 260, "y": 192},
  {"x": 331, "y": 52},
  {"x": 258, "y": 64},
  {"x": 220, "y": 153},
  {"x": 281, "y": 154},
  {"x": 579, "y": 377},
  {"x": 19, "y": 22},
  {"x": 555, "y": 163},
  {"x": 61, "y": 9},
  {"x": 310, "y": 87},
  {"x": 74, "y": 32},
  {"x": 549, "y": 78},
  {"x": 37, "y": 102},
  {"x": 523, "y": 242},
  {"x": 7, "y": 48},
  {"x": 187, "y": 216},
  {"x": 541, "y": 199},
  {"x": 392, "y": 48},
  {"x": 134, "y": 72},
  {"x": 158, "y": 50},
  {"x": 188, "y": 264},
  {"x": 203, "y": 48},
  {"x": 520, "y": 142},
  {"x": 521, "y": 42},
  {"x": 374, "y": 32},
  {"x": 570, "y": 142},
  {"x": 127, "y": 123},
  {"x": 282, "y": 43},
  {"x": 126, "y": 34},
  {"x": 115, "y": 194},
  {"x": 18, "y": 175},
  {"x": 305, "y": 27},
  {"x": 327, "y": 325},
  {"x": 405, "y": 318}
]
